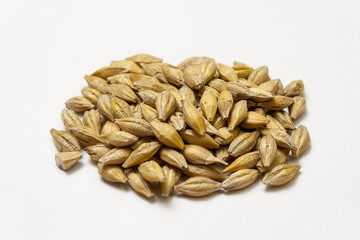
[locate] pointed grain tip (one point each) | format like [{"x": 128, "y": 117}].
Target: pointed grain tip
[{"x": 226, "y": 170}]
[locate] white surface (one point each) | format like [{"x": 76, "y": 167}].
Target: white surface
[{"x": 46, "y": 48}]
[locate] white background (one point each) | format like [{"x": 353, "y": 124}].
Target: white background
[{"x": 47, "y": 46}]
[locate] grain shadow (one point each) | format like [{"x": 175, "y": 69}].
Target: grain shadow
[
  {"x": 198, "y": 199},
  {"x": 300, "y": 118},
  {"x": 293, "y": 160},
  {"x": 75, "y": 168},
  {"x": 118, "y": 186}
]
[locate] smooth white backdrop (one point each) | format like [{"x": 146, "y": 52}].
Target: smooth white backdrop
[{"x": 47, "y": 46}]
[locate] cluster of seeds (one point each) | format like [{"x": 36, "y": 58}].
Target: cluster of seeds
[{"x": 145, "y": 121}]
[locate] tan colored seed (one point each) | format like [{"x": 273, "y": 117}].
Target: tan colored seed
[
  {"x": 172, "y": 176},
  {"x": 274, "y": 124},
  {"x": 173, "y": 75},
  {"x": 124, "y": 92},
  {"x": 240, "y": 179},
  {"x": 260, "y": 111},
  {"x": 136, "y": 126},
  {"x": 144, "y": 58},
  {"x": 64, "y": 141},
  {"x": 136, "y": 111},
  {"x": 79, "y": 104},
  {"x": 238, "y": 113},
  {"x": 280, "y": 174},
  {"x": 194, "y": 76},
  {"x": 104, "y": 107},
  {"x": 282, "y": 139},
  {"x": 208, "y": 67},
  {"x": 137, "y": 182},
  {"x": 148, "y": 112},
  {"x": 120, "y": 108},
  {"x": 260, "y": 95},
  {"x": 166, "y": 134},
  {"x": 277, "y": 103},
  {"x": 135, "y": 77},
  {"x": 155, "y": 70},
  {"x": 259, "y": 75},
  {"x": 115, "y": 156},
  {"x": 301, "y": 139},
  {"x": 257, "y": 144},
  {"x": 112, "y": 173},
  {"x": 254, "y": 120},
  {"x": 243, "y": 143},
  {"x": 190, "y": 60},
  {"x": 207, "y": 88},
  {"x": 149, "y": 97},
  {"x": 228, "y": 136},
  {"x": 142, "y": 153},
  {"x": 187, "y": 93},
  {"x": 151, "y": 171},
  {"x": 177, "y": 121},
  {"x": 247, "y": 160},
  {"x": 97, "y": 151},
  {"x": 123, "y": 78},
  {"x": 141, "y": 97},
  {"x": 87, "y": 136},
  {"x": 176, "y": 93},
  {"x": 204, "y": 171},
  {"x": 173, "y": 157},
  {"x": 141, "y": 141},
  {"x": 91, "y": 94},
  {"x": 295, "y": 88},
  {"x": 225, "y": 103},
  {"x": 66, "y": 160},
  {"x": 92, "y": 119},
  {"x": 120, "y": 138},
  {"x": 193, "y": 117},
  {"x": 273, "y": 86},
  {"x": 222, "y": 153},
  {"x": 198, "y": 186},
  {"x": 244, "y": 73},
  {"x": 238, "y": 91},
  {"x": 208, "y": 103},
  {"x": 200, "y": 155},
  {"x": 127, "y": 65},
  {"x": 70, "y": 119},
  {"x": 217, "y": 84},
  {"x": 227, "y": 73},
  {"x": 218, "y": 122},
  {"x": 240, "y": 66},
  {"x": 192, "y": 137},
  {"x": 267, "y": 150},
  {"x": 210, "y": 129},
  {"x": 246, "y": 83},
  {"x": 96, "y": 83},
  {"x": 108, "y": 71},
  {"x": 150, "y": 84},
  {"x": 280, "y": 158},
  {"x": 284, "y": 118},
  {"x": 144, "y": 82},
  {"x": 298, "y": 107},
  {"x": 109, "y": 127},
  {"x": 165, "y": 105}
]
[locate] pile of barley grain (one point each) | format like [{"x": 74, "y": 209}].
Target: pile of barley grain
[{"x": 138, "y": 112}]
